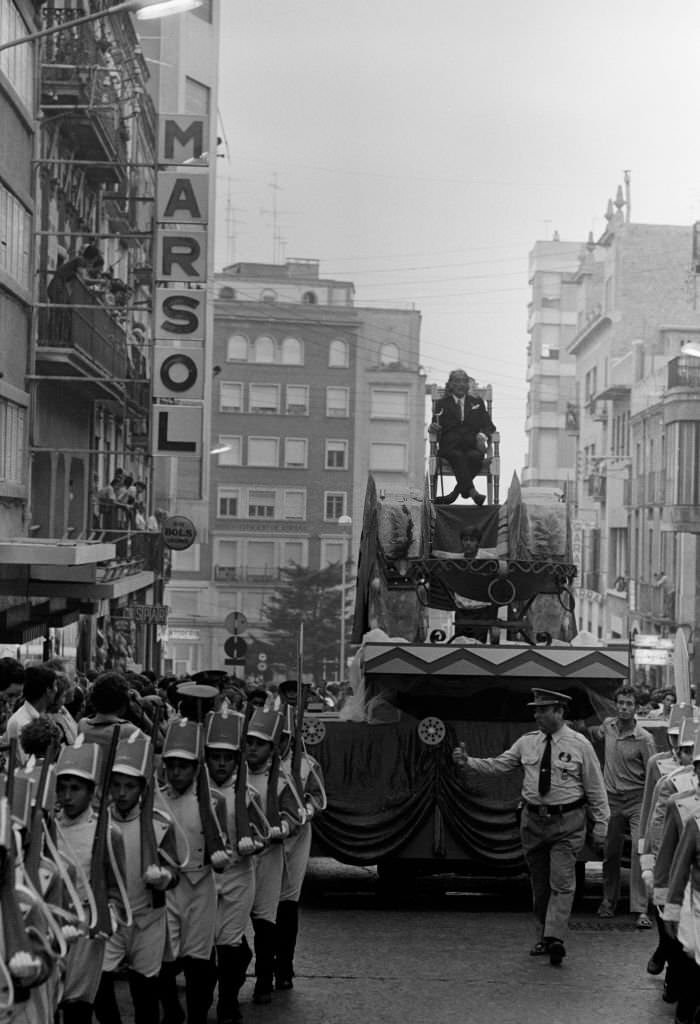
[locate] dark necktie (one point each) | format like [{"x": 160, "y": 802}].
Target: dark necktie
[{"x": 545, "y": 781}]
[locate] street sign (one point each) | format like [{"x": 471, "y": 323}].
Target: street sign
[
  {"x": 147, "y": 613},
  {"x": 178, "y": 533},
  {"x": 235, "y": 646},
  {"x": 235, "y": 621}
]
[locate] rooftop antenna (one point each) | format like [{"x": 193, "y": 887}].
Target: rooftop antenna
[{"x": 627, "y": 178}]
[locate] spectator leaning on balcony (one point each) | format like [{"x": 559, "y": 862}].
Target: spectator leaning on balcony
[{"x": 61, "y": 287}]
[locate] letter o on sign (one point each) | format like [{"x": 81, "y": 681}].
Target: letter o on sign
[
  {"x": 178, "y": 533},
  {"x": 174, "y": 380}
]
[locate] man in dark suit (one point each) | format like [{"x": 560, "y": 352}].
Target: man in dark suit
[{"x": 464, "y": 428}]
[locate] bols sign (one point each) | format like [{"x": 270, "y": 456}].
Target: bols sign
[{"x": 180, "y": 259}]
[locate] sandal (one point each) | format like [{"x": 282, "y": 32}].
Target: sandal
[
  {"x": 540, "y": 949},
  {"x": 643, "y": 922}
]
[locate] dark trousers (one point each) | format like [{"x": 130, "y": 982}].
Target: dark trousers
[{"x": 466, "y": 463}]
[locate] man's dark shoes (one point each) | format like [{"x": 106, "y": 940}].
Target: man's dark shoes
[
  {"x": 556, "y": 952},
  {"x": 656, "y": 962},
  {"x": 447, "y": 499},
  {"x": 540, "y": 948},
  {"x": 262, "y": 994},
  {"x": 476, "y": 497},
  {"x": 283, "y": 982}
]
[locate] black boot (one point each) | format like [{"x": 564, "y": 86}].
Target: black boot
[
  {"x": 286, "y": 929},
  {"x": 264, "y": 959},
  {"x": 200, "y": 979},
  {"x": 77, "y": 1012},
  {"x": 144, "y": 995},
  {"x": 232, "y": 965},
  {"x": 105, "y": 1005},
  {"x": 167, "y": 993}
]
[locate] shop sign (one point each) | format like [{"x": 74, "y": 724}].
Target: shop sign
[{"x": 179, "y": 533}]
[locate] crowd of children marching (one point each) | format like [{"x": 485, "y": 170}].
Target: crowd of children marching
[{"x": 153, "y": 851}]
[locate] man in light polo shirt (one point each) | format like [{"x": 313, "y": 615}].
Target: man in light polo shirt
[
  {"x": 39, "y": 691},
  {"x": 627, "y": 750}
]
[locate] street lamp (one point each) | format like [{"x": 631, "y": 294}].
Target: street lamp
[
  {"x": 146, "y": 10},
  {"x": 343, "y": 521}
]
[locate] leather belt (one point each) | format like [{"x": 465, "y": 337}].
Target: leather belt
[{"x": 549, "y": 810}]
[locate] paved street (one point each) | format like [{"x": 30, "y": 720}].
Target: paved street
[{"x": 450, "y": 953}]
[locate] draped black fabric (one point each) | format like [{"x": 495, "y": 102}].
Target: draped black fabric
[{"x": 386, "y": 788}]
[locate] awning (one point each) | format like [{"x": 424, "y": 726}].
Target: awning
[{"x": 52, "y": 551}]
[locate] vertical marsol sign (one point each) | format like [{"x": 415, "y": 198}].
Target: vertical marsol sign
[{"x": 180, "y": 279}]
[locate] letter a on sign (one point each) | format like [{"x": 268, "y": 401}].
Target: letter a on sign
[{"x": 182, "y": 198}]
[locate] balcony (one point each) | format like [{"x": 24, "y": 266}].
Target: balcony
[
  {"x": 88, "y": 339},
  {"x": 656, "y": 602},
  {"x": 246, "y": 574},
  {"x": 77, "y": 84},
  {"x": 684, "y": 372}
]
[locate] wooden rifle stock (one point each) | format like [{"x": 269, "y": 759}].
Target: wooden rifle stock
[
  {"x": 14, "y": 931},
  {"x": 99, "y": 859},
  {"x": 241, "y": 804},
  {"x": 149, "y": 844},
  {"x": 35, "y": 844}
]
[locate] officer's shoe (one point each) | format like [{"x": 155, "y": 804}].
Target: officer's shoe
[
  {"x": 656, "y": 962},
  {"x": 282, "y": 982},
  {"x": 556, "y": 952},
  {"x": 262, "y": 993}
]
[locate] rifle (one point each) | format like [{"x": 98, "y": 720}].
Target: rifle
[
  {"x": 19, "y": 949},
  {"x": 99, "y": 859},
  {"x": 241, "y": 803},
  {"x": 297, "y": 741},
  {"x": 214, "y": 838},
  {"x": 32, "y": 858},
  {"x": 149, "y": 844}
]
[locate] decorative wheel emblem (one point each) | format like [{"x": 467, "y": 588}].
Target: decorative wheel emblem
[
  {"x": 431, "y": 731},
  {"x": 314, "y": 731}
]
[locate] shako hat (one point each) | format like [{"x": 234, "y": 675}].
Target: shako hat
[
  {"x": 223, "y": 729},
  {"x": 81, "y": 760},
  {"x": 183, "y": 739},
  {"x": 22, "y": 795},
  {"x": 544, "y": 698},
  {"x": 679, "y": 713},
  {"x": 266, "y": 725},
  {"x": 132, "y": 756}
]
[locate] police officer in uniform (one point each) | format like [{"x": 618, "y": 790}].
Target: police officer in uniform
[{"x": 562, "y": 788}]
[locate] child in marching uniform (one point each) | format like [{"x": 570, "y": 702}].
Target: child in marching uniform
[
  {"x": 202, "y": 848},
  {"x": 297, "y": 847},
  {"x": 141, "y": 944},
  {"x": 76, "y": 779},
  {"x": 285, "y": 812},
  {"x": 248, "y": 829}
]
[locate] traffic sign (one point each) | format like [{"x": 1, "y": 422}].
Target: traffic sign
[
  {"x": 235, "y": 621},
  {"x": 235, "y": 646}
]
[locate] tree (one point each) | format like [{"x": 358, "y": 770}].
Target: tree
[{"x": 311, "y": 596}]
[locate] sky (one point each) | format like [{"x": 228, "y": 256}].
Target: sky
[{"x": 420, "y": 149}]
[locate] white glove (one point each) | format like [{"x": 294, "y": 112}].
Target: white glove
[
  {"x": 310, "y": 810},
  {"x": 70, "y": 932},
  {"x": 459, "y": 756},
  {"x": 482, "y": 442},
  {"x": 157, "y": 877},
  {"x": 25, "y": 967},
  {"x": 220, "y": 860},
  {"x": 246, "y": 846},
  {"x": 276, "y": 834}
]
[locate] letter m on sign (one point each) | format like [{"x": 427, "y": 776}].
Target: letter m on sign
[{"x": 182, "y": 137}]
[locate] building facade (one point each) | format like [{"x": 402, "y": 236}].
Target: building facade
[{"x": 311, "y": 393}]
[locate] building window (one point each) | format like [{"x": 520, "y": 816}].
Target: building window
[
  {"x": 237, "y": 349},
  {"x": 263, "y": 350},
  {"x": 15, "y": 238},
  {"x": 294, "y": 552},
  {"x": 332, "y": 552},
  {"x": 230, "y": 397},
  {"x": 261, "y": 504},
  {"x": 388, "y": 404},
  {"x": 183, "y": 603},
  {"x": 337, "y": 401},
  {"x": 298, "y": 399},
  {"x": 338, "y": 353},
  {"x": 268, "y": 295},
  {"x": 234, "y": 455},
  {"x": 388, "y": 458},
  {"x": 264, "y": 398},
  {"x": 17, "y": 62},
  {"x": 336, "y": 454},
  {"x": 549, "y": 352},
  {"x": 226, "y": 292},
  {"x": 196, "y": 97},
  {"x": 186, "y": 561},
  {"x": 295, "y": 504},
  {"x": 227, "y": 502},
  {"x": 309, "y": 298},
  {"x": 226, "y": 559},
  {"x": 264, "y": 451},
  {"x": 389, "y": 354},
  {"x": 253, "y": 604},
  {"x": 260, "y": 557},
  {"x": 12, "y": 437},
  {"x": 334, "y": 503},
  {"x": 292, "y": 354},
  {"x": 296, "y": 452}
]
